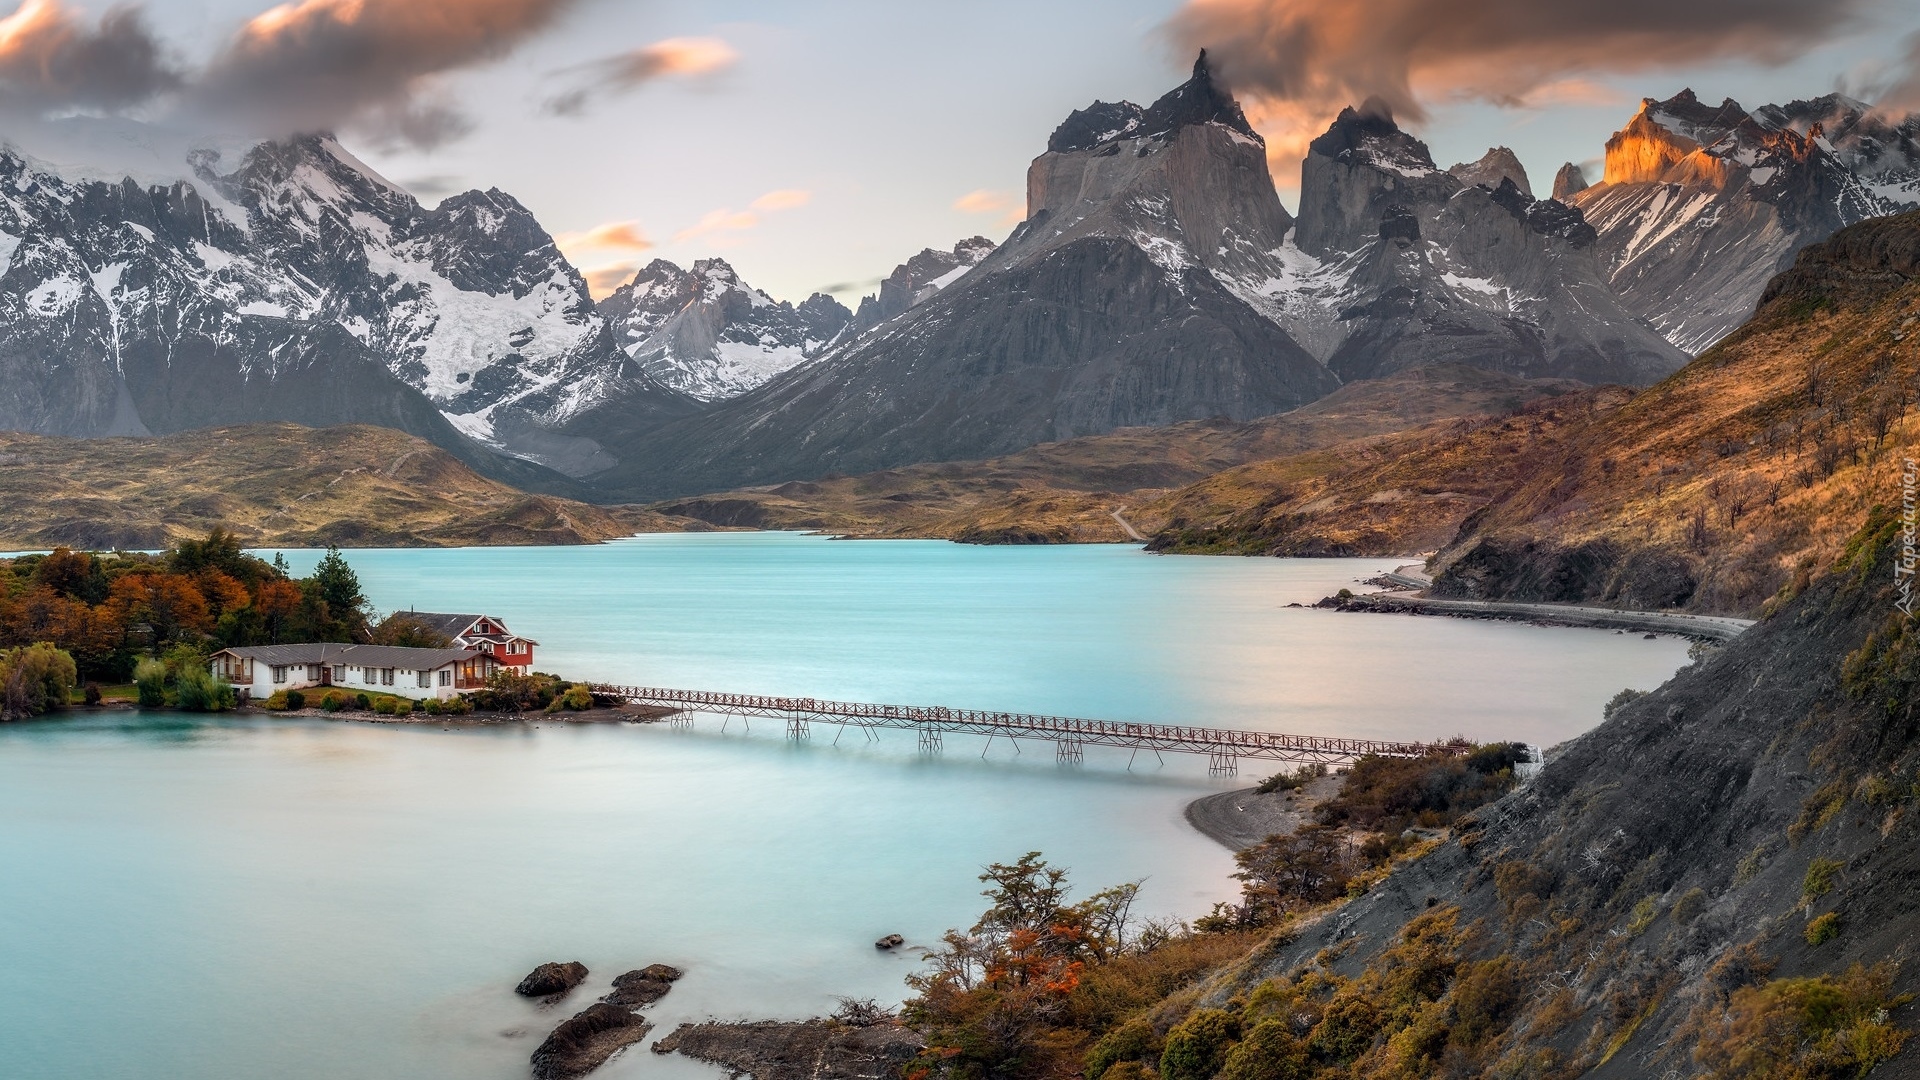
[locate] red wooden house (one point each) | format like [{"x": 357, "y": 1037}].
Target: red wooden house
[{"x": 483, "y": 633}]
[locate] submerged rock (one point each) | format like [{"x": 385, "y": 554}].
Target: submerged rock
[
  {"x": 891, "y": 941},
  {"x": 797, "y": 1050},
  {"x": 643, "y": 987},
  {"x": 583, "y": 1042},
  {"x": 552, "y": 980}
]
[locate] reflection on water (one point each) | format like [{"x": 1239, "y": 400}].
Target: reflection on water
[{"x": 229, "y": 898}]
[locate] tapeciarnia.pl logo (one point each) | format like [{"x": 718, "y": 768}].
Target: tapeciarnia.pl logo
[{"x": 1909, "y": 516}]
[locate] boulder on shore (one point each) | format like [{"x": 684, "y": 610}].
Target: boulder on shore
[
  {"x": 552, "y": 980},
  {"x": 637, "y": 989},
  {"x": 891, "y": 941},
  {"x": 583, "y": 1042}
]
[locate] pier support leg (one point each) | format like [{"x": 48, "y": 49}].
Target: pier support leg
[
  {"x": 930, "y": 740},
  {"x": 1220, "y": 763},
  {"x": 797, "y": 728},
  {"x": 1067, "y": 752}
]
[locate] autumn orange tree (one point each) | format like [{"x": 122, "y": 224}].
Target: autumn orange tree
[
  {"x": 107, "y": 610},
  {"x": 995, "y": 999}
]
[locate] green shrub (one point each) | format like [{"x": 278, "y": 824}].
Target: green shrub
[
  {"x": 1820, "y": 879},
  {"x": 1823, "y": 929},
  {"x": 456, "y": 706},
  {"x": 578, "y": 698},
  {"x": 91, "y": 695},
  {"x": 402, "y": 706},
  {"x": 362, "y": 701},
  {"x": 1197, "y": 1048},
  {"x": 1620, "y": 701},
  {"x": 1285, "y": 781},
  {"x": 431, "y": 706},
  {"x": 1269, "y": 1052},
  {"x": 1346, "y": 1030},
  {"x": 276, "y": 701},
  {"x": 1690, "y": 905},
  {"x": 1818, "y": 1027},
  {"x": 1130, "y": 1041},
  {"x": 196, "y": 690},
  {"x": 34, "y": 679},
  {"x": 150, "y": 681},
  {"x": 383, "y": 705},
  {"x": 1644, "y": 912},
  {"x": 296, "y": 700},
  {"x": 329, "y": 703}
]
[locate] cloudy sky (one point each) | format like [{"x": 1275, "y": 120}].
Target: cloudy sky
[{"x": 814, "y": 145}]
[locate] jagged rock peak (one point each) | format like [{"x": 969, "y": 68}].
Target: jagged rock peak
[
  {"x": 1202, "y": 99},
  {"x": 1368, "y": 135},
  {"x": 1570, "y": 180},
  {"x": 1497, "y": 164}
]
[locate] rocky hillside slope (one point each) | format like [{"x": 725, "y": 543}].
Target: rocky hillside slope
[
  {"x": 1738, "y": 475},
  {"x": 1700, "y": 204},
  {"x": 1716, "y": 881},
  {"x": 278, "y": 485}
]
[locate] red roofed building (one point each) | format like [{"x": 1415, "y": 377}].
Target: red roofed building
[{"x": 482, "y": 633}]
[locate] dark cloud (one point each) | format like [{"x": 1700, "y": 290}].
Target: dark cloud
[
  {"x": 318, "y": 64},
  {"x": 51, "y": 58},
  {"x": 622, "y": 73},
  {"x": 306, "y": 65},
  {"x": 1320, "y": 55}
]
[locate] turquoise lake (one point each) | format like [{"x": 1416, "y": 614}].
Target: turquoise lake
[{"x": 229, "y": 898}]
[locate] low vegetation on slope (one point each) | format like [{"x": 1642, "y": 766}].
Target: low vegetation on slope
[
  {"x": 1715, "y": 882},
  {"x": 279, "y": 485},
  {"x": 1067, "y": 492}
]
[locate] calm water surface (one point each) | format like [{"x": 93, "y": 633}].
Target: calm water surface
[{"x": 242, "y": 898}]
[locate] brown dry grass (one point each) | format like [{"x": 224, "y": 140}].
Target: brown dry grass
[{"x": 277, "y": 484}]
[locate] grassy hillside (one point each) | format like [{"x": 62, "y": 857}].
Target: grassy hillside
[
  {"x": 277, "y": 484},
  {"x": 1066, "y": 492}
]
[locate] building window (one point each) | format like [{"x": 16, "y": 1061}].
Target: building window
[
  {"x": 446, "y": 676},
  {"x": 386, "y": 676},
  {"x": 313, "y": 672},
  {"x": 426, "y": 678},
  {"x": 279, "y": 673},
  {"x": 340, "y": 673}
]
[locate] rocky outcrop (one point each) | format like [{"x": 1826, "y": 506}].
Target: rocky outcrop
[
  {"x": 798, "y": 1050},
  {"x": 552, "y": 979},
  {"x": 1460, "y": 266},
  {"x": 1701, "y": 204},
  {"x": 1571, "y": 180},
  {"x": 918, "y": 279},
  {"x": 586, "y": 1040},
  {"x": 707, "y": 334},
  {"x": 637, "y": 989}
]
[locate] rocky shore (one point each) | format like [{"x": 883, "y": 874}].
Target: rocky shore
[
  {"x": 1243, "y": 818},
  {"x": 817, "y": 1049}
]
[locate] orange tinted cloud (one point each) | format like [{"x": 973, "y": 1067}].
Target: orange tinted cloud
[
  {"x": 314, "y": 64},
  {"x": 722, "y": 221},
  {"x": 783, "y": 199},
  {"x": 602, "y": 280},
  {"x": 983, "y": 201},
  {"x": 613, "y": 234},
  {"x": 50, "y": 57},
  {"x": 683, "y": 56},
  {"x": 1318, "y": 56}
]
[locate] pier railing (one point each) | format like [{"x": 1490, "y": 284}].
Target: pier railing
[{"x": 1223, "y": 746}]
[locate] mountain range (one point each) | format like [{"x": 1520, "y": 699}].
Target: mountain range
[{"x": 1156, "y": 278}]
